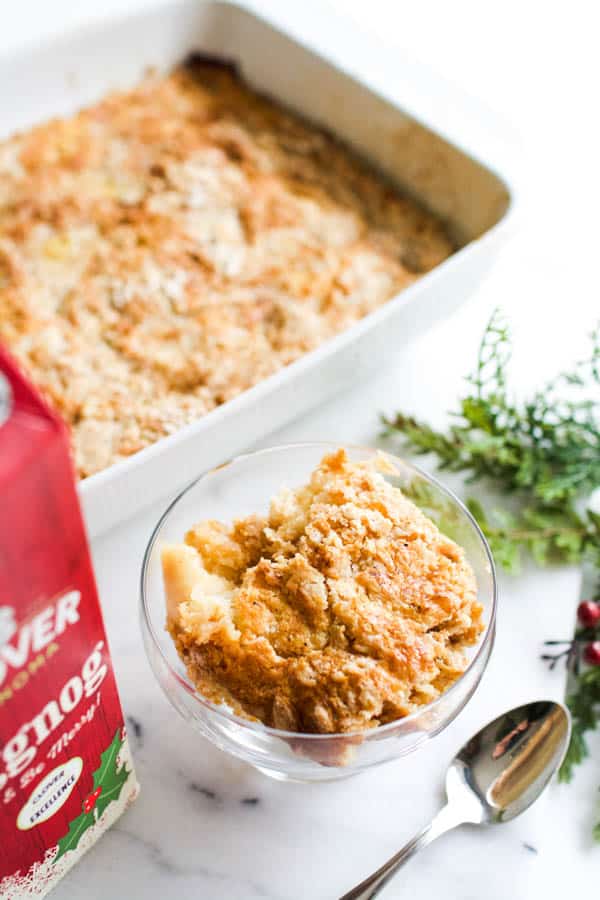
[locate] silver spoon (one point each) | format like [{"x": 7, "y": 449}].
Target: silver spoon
[{"x": 496, "y": 776}]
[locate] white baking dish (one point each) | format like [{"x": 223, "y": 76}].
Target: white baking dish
[{"x": 477, "y": 203}]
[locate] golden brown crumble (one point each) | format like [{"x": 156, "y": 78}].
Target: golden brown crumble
[
  {"x": 343, "y": 609},
  {"x": 171, "y": 246}
]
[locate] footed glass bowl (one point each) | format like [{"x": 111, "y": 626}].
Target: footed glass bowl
[{"x": 243, "y": 486}]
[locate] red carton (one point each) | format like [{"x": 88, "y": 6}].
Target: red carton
[{"x": 65, "y": 768}]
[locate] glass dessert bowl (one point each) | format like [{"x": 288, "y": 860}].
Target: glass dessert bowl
[{"x": 244, "y": 487}]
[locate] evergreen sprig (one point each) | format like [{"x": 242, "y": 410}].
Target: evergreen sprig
[
  {"x": 545, "y": 452},
  {"x": 584, "y": 703}
]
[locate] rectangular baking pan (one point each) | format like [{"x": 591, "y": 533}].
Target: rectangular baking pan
[{"x": 397, "y": 128}]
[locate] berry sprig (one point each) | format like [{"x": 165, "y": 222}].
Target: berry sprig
[
  {"x": 585, "y": 645},
  {"x": 582, "y": 656}
]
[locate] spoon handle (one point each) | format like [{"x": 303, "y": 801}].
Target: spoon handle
[{"x": 446, "y": 819}]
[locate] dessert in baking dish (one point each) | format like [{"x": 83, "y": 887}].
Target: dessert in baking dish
[
  {"x": 343, "y": 609},
  {"x": 171, "y": 246}
]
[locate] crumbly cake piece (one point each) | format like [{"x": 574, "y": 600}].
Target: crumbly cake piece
[
  {"x": 343, "y": 609},
  {"x": 171, "y": 246}
]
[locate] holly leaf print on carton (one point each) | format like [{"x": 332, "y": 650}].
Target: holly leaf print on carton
[{"x": 108, "y": 784}]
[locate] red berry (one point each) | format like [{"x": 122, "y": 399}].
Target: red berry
[
  {"x": 591, "y": 654},
  {"x": 97, "y": 792},
  {"x": 588, "y": 613}
]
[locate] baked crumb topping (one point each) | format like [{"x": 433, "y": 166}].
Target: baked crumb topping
[
  {"x": 343, "y": 609},
  {"x": 171, "y": 246}
]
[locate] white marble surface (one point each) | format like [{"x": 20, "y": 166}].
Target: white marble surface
[{"x": 206, "y": 826}]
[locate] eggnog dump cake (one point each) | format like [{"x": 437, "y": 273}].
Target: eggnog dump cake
[
  {"x": 343, "y": 609},
  {"x": 171, "y": 246}
]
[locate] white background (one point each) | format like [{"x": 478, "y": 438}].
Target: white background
[{"x": 532, "y": 75}]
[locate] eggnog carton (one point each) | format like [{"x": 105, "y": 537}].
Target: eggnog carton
[{"x": 65, "y": 768}]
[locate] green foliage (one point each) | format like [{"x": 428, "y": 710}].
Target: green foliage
[
  {"x": 576, "y": 753},
  {"x": 583, "y": 703},
  {"x": 544, "y": 452},
  {"x": 436, "y": 504},
  {"x": 549, "y": 534}
]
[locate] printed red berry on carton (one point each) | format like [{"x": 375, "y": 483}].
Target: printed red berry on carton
[{"x": 90, "y": 801}]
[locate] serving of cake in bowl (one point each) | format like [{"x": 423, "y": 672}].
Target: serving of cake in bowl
[{"x": 318, "y": 619}]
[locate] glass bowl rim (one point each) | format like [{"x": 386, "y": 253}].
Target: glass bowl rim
[{"x": 484, "y": 647}]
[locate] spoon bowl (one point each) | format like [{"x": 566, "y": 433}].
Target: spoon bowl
[
  {"x": 507, "y": 765},
  {"x": 496, "y": 776}
]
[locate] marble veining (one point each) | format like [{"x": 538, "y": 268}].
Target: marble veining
[
  {"x": 155, "y": 853},
  {"x": 136, "y": 732}
]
